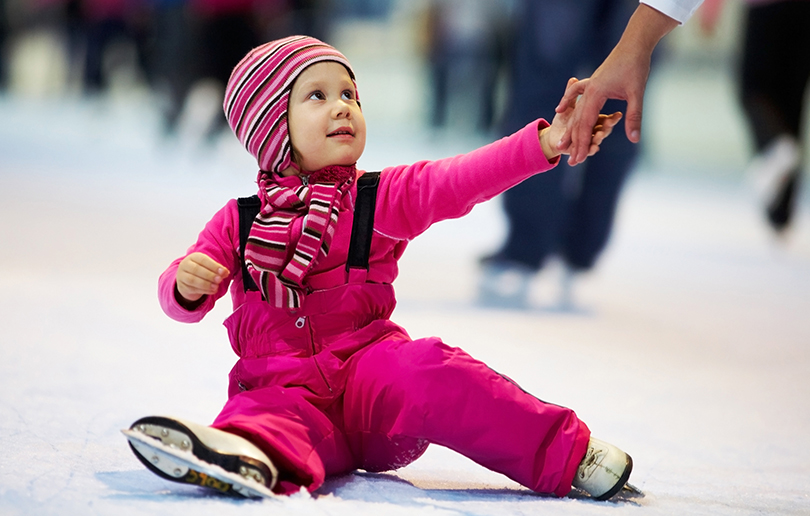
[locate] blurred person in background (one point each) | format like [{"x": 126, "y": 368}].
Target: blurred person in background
[
  {"x": 195, "y": 45},
  {"x": 4, "y": 30},
  {"x": 45, "y": 43},
  {"x": 569, "y": 211},
  {"x": 621, "y": 76},
  {"x": 169, "y": 57},
  {"x": 107, "y": 22},
  {"x": 310, "y": 17},
  {"x": 226, "y": 31},
  {"x": 368, "y": 9},
  {"x": 465, "y": 52},
  {"x": 75, "y": 34},
  {"x": 774, "y": 72}
]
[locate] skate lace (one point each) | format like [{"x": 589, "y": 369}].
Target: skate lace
[{"x": 590, "y": 462}]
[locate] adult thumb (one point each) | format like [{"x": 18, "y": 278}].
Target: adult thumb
[{"x": 632, "y": 120}]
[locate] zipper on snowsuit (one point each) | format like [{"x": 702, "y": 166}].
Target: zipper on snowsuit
[{"x": 303, "y": 322}]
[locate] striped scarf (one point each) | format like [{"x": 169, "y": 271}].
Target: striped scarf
[{"x": 278, "y": 271}]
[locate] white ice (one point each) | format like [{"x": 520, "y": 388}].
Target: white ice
[{"x": 690, "y": 346}]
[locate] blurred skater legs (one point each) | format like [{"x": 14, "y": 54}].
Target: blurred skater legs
[
  {"x": 566, "y": 212},
  {"x": 775, "y": 71}
]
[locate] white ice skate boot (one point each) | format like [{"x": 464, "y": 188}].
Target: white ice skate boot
[
  {"x": 189, "y": 453},
  {"x": 504, "y": 283},
  {"x": 604, "y": 470},
  {"x": 775, "y": 174}
]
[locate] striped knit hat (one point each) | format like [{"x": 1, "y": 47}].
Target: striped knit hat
[{"x": 258, "y": 93}]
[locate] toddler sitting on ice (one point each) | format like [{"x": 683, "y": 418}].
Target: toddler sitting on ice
[{"x": 325, "y": 382}]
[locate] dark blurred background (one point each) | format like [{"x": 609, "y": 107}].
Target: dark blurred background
[{"x": 449, "y": 57}]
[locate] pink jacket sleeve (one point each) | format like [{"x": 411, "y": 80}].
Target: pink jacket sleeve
[
  {"x": 411, "y": 198},
  {"x": 219, "y": 240}
]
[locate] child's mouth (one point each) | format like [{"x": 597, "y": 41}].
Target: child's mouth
[{"x": 340, "y": 132}]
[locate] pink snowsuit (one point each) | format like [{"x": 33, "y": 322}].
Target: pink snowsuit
[{"x": 336, "y": 386}]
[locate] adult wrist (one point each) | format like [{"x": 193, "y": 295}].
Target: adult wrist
[{"x": 645, "y": 29}]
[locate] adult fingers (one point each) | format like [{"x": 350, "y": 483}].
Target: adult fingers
[
  {"x": 574, "y": 89},
  {"x": 632, "y": 124},
  {"x": 583, "y": 121}
]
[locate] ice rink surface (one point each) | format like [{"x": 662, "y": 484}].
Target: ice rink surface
[{"x": 689, "y": 346}]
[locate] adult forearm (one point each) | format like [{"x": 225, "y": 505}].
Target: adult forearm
[{"x": 645, "y": 29}]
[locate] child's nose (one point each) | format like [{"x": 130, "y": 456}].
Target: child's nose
[{"x": 341, "y": 109}]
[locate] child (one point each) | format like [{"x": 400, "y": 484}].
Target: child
[{"x": 325, "y": 382}]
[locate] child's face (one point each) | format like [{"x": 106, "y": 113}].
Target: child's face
[{"x": 326, "y": 124}]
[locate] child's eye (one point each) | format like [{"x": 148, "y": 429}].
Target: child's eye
[
  {"x": 347, "y": 95},
  {"x": 317, "y": 95}
]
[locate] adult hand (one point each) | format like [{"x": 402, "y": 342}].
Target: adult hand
[
  {"x": 623, "y": 75},
  {"x": 549, "y": 136}
]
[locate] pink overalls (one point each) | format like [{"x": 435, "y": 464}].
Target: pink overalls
[{"x": 336, "y": 386}]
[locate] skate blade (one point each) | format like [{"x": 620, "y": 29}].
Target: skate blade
[
  {"x": 187, "y": 468},
  {"x": 631, "y": 491}
]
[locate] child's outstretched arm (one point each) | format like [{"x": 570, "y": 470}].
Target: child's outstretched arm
[
  {"x": 550, "y": 136},
  {"x": 198, "y": 275}
]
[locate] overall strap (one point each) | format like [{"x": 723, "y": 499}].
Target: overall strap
[
  {"x": 362, "y": 227},
  {"x": 248, "y": 209}
]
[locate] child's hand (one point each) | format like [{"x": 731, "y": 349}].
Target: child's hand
[
  {"x": 550, "y": 136},
  {"x": 198, "y": 275}
]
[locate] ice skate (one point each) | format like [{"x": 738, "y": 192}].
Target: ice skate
[
  {"x": 775, "y": 176},
  {"x": 503, "y": 283},
  {"x": 189, "y": 453},
  {"x": 604, "y": 470}
]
